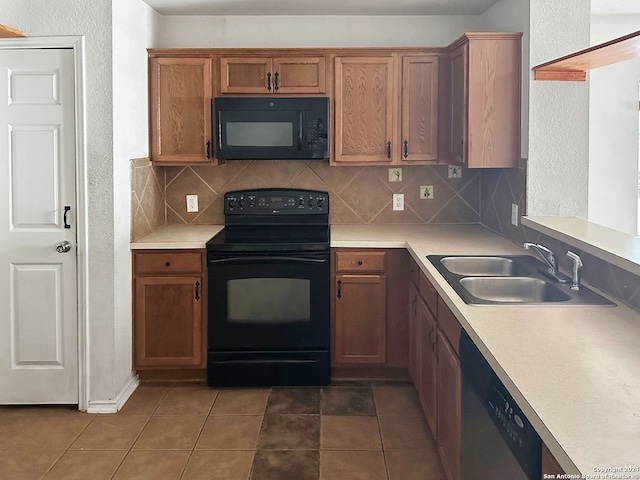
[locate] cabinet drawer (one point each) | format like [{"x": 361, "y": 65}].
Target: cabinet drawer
[
  {"x": 429, "y": 294},
  {"x": 167, "y": 262},
  {"x": 449, "y": 325},
  {"x": 360, "y": 261}
]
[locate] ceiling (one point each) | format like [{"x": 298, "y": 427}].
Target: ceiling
[
  {"x": 320, "y": 7},
  {"x": 355, "y": 7}
]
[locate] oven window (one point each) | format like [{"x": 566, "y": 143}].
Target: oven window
[
  {"x": 268, "y": 300},
  {"x": 259, "y": 134}
]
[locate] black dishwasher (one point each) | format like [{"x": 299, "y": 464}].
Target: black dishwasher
[{"x": 497, "y": 439}]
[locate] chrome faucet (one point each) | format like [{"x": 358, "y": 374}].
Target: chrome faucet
[
  {"x": 575, "y": 276},
  {"x": 546, "y": 255}
]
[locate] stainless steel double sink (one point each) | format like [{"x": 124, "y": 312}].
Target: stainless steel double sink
[{"x": 510, "y": 280}]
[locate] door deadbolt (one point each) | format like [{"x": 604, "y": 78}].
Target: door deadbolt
[{"x": 63, "y": 247}]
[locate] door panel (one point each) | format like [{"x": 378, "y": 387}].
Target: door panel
[{"x": 38, "y": 292}]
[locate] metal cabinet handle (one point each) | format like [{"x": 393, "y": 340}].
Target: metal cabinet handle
[
  {"x": 208, "y": 149},
  {"x": 461, "y": 149},
  {"x": 339, "y": 288},
  {"x": 388, "y": 149},
  {"x": 63, "y": 247},
  {"x": 276, "y": 86},
  {"x": 197, "y": 290},
  {"x": 406, "y": 149},
  {"x": 359, "y": 262},
  {"x": 269, "y": 81}
]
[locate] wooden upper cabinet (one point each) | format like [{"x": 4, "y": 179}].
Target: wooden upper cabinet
[
  {"x": 180, "y": 109},
  {"x": 267, "y": 75},
  {"x": 485, "y": 100},
  {"x": 419, "y": 122},
  {"x": 459, "y": 95},
  {"x": 365, "y": 110},
  {"x": 299, "y": 74}
]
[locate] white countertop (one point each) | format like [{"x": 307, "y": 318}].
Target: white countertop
[
  {"x": 574, "y": 371},
  {"x": 177, "y": 236}
]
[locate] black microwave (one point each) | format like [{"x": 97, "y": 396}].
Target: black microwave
[{"x": 260, "y": 128}]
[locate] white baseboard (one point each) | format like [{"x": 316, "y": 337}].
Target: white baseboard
[{"x": 113, "y": 406}]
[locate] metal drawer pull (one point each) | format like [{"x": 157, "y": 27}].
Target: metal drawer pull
[
  {"x": 339, "y": 288},
  {"x": 197, "y": 290},
  {"x": 167, "y": 264}
]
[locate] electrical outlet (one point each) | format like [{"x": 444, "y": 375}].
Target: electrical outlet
[
  {"x": 192, "y": 203},
  {"x": 514, "y": 214},
  {"x": 395, "y": 174},
  {"x": 426, "y": 192},
  {"x": 455, "y": 171},
  {"x": 398, "y": 201}
]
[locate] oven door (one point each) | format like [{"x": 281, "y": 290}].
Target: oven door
[{"x": 268, "y": 301}]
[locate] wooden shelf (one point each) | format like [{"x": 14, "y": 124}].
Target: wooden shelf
[{"x": 574, "y": 67}]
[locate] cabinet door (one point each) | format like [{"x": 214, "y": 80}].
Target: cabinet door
[
  {"x": 299, "y": 75},
  {"x": 360, "y": 318},
  {"x": 419, "y": 124},
  {"x": 168, "y": 321},
  {"x": 428, "y": 363},
  {"x": 449, "y": 409},
  {"x": 459, "y": 91},
  {"x": 246, "y": 75},
  {"x": 415, "y": 339},
  {"x": 180, "y": 106},
  {"x": 365, "y": 110},
  {"x": 493, "y": 109}
]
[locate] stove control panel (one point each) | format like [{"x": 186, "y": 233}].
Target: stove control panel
[{"x": 276, "y": 202}]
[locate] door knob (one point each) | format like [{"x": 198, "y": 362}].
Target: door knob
[{"x": 63, "y": 247}]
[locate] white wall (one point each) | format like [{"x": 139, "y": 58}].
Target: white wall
[
  {"x": 254, "y": 31},
  {"x": 513, "y": 16},
  {"x": 613, "y": 135},
  {"x": 558, "y": 167},
  {"x": 134, "y": 27}
]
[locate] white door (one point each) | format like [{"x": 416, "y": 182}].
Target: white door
[{"x": 38, "y": 289}]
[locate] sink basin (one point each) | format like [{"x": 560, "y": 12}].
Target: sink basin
[
  {"x": 513, "y": 289},
  {"x": 516, "y": 280},
  {"x": 489, "y": 266}
]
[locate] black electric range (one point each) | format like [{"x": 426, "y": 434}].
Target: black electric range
[{"x": 268, "y": 321}]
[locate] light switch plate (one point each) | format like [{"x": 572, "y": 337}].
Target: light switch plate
[
  {"x": 398, "y": 201},
  {"x": 192, "y": 203}
]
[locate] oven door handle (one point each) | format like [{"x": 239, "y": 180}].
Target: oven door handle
[{"x": 267, "y": 259}]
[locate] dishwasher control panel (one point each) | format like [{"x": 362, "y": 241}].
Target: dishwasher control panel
[{"x": 507, "y": 415}]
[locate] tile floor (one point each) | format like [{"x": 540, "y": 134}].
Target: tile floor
[{"x": 347, "y": 431}]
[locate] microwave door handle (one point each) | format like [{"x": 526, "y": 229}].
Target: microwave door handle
[
  {"x": 219, "y": 131},
  {"x": 300, "y": 139}
]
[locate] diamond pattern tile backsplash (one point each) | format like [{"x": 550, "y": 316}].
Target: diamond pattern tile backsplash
[{"x": 358, "y": 195}]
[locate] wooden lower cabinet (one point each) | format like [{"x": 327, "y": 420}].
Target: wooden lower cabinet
[
  {"x": 434, "y": 333},
  {"x": 360, "y": 319},
  {"x": 169, "y": 310},
  {"x": 428, "y": 329},
  {"x": 449, "y": 409},
  {"x": 369, "y": 313}
]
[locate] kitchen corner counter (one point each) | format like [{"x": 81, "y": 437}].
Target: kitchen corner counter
[
  {"x": 177, "y": 236},
  {"x": 574, "y": 371}
]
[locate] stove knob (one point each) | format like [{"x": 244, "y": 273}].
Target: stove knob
[
  {"x": 320, "y": 202},
  {"x": 241, "y": 202},
  {"x": 310, "y": 203},
  {"x": 231, "y": 203},
  {"x": 301, "y": 201}
]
